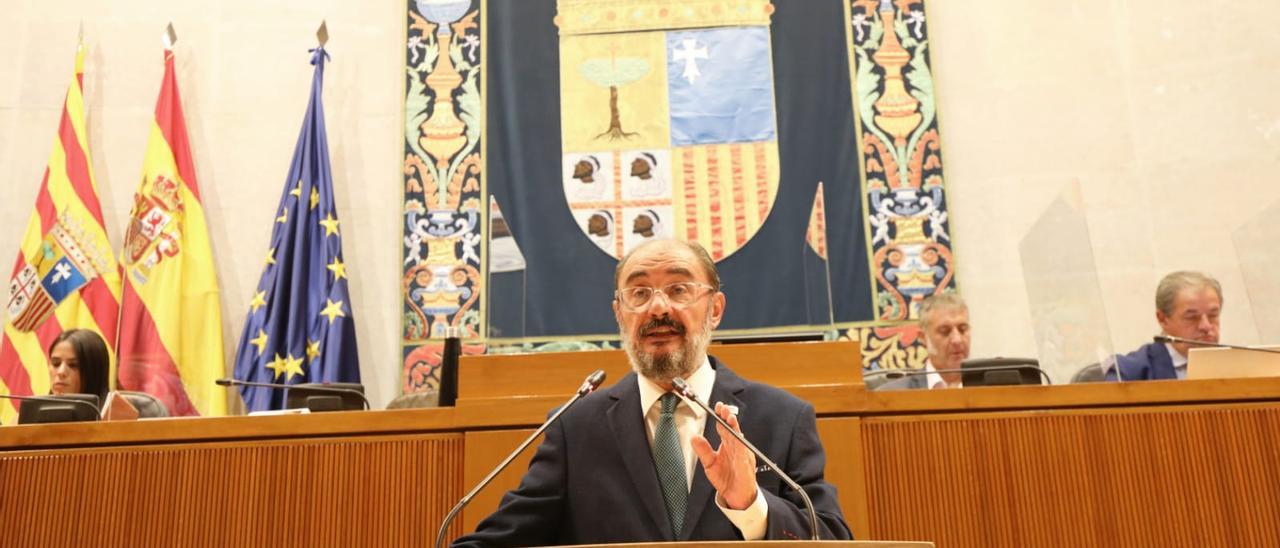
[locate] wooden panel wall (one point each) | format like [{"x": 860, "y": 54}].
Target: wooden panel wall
[
  {"x": 485, "y": 450},
  {"x": 380, "y": 491},
  {"x": 1190, "y": 476},
  {"x": 841, "y": 439}
]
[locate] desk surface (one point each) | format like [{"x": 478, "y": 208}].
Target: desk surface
[{"x": 528, "y": 412}]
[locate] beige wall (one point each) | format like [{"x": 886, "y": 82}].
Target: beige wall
[{"x": 1165, "y": 113}]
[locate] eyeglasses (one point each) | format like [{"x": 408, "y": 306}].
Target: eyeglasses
[{"x": 679, "y": 294}]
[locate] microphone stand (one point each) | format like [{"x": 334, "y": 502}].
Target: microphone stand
[
  {"x": 685, "y": 390},
  {"x": 1170, "y": 339},
  {"x": 589, "y": 385}
]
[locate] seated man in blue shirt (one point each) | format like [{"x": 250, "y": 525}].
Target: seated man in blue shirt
[{"x": 1188, "y": 305}]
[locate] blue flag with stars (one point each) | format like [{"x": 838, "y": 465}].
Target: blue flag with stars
[{"x": 300, "y": 327}]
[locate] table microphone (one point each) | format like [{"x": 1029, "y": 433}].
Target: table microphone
[
  {"x": 312, "y": 387},
  {"x": 1170, "y": 339},
  {"x": 96, "y": 410},
  {"x": 589, "y": 385},
  {"x": 683, "y": 389}
]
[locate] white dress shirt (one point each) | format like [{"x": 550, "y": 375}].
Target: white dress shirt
[
  {"x": 1179, "y": 361},
  {"x": 690, "y": 421},
  {"x": 933, "y": 379}
]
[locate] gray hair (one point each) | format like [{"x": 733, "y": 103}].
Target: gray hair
[
  {"x": 949, "y": 300},
  {"x": 698, "y": 251},
  {"x": 1175, "y": 282}
]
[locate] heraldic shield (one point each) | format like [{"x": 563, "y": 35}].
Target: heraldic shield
[{"x": 668, "y": 122}]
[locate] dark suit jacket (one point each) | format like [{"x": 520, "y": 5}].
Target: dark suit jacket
[
  {"x": 593, "y": 480},
  {"x": 1150, "y": 361}
]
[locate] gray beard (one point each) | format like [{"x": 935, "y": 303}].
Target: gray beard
[{"x": 679, "y": 363}]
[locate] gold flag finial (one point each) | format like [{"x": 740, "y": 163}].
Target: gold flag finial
[{"x": 322, "y": 33}]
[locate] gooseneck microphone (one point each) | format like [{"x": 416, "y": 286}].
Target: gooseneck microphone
[
  {"x": 589, "y": 385},
  {"x": 683, "y": 389},
  {"x": 1170, "y": 339},
  {"x": 97, "y": 411},
  {"x": 311, "y": 387}
]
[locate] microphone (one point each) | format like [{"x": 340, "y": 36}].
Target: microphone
[
  {"x": 1170, "y": 339},
  {"x": 449, "y": 357},
  {"x": 97, "y": 412},
  {"x": 588, "y": 386},
  {"x": 683, "y": 389},
  {"x": 312, "y": 387},
  {"x": 899, "y": 373}
]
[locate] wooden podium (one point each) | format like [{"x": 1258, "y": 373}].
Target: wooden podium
[{"x": 1161, "y": 463}]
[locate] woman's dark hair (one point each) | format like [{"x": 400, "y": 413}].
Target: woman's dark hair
[{"x": 92, "y": 359}]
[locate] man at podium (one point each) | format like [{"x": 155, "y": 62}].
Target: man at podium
[{"x": 635, "y": 462}]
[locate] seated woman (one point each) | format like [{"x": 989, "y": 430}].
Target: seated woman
[{"x": 79, "y": 364}]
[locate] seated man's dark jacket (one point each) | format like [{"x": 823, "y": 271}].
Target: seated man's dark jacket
[
  {"x": 593, "y": 480},
  {"x": 1150, "y": 361}
]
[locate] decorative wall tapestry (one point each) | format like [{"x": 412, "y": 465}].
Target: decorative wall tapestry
[{"x": 795, "y": 139}]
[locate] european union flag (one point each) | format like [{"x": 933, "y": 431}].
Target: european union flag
[{"x": 300, "y": 326}]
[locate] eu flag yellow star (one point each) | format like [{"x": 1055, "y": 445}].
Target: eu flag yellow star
[
  {"x": 259, "y": 300},
  {"x": 339, "y": 269},
  {"x": 271, "y": 256},
  {"x": 284, "y": 216},
  {"x": 260, "y": 341},
  {"x": 332, "y": 310},
  {"x": 315, "y": 198},
  {"x": 279, "y": 365},
  {"x": 292, "y": 366},
  {"x": 313, "y": 350},
  {"x": 297, "y": 190},
  {"x": 330, "y": 225}
]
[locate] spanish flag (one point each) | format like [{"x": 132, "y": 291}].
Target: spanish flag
[
  {"x": 65, "y": 276},
  {"x": 170, "y": 320}
]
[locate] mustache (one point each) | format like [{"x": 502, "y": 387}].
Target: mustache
[{"x": 664, "y": 321}]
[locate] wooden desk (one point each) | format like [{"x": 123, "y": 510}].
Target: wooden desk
[
  {"x": 1163, "y": 463},
  {"x": 1156, "y": 464}
]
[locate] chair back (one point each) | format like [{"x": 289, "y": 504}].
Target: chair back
[
  {"x": 1089, "y": 373},
  {"x": 414, "y": 400},
  {"x": 147, "y": 405}
]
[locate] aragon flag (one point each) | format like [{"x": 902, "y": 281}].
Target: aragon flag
[
  {"x": 300, "y": 326},
  {"x": 65, "y": 276},
  {"x": 170, "y": 322}
]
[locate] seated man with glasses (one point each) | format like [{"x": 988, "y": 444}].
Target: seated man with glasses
[{"x": 634, "y": 462}]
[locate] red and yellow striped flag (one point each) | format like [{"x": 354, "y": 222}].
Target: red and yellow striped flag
[
  {"x": 65, "y": 276},
  {"x": 170, "y": 321}
]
